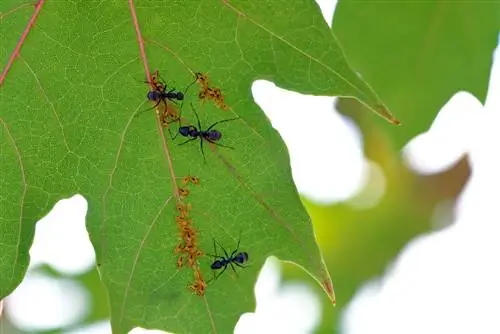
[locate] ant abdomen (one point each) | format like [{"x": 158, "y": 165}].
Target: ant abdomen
[
  {"x": 179, "y": 96},
  {"x": 213, "y": 135},
  {"x": 241, "y": 257}
]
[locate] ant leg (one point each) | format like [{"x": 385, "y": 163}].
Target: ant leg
[
  {"x": 232, "y": 267},
  {"x": 216, "y": 257},
  {"x": 202, "y": 152},
  {"x": 170, "y": 132},
  {"x": 173, "y": 138},
  {"x": 185, "y": 92},
  {"x": 213, "y": 278},
  {"x": 156, "y": 105},
  {"x": 237, "y": 248},
  {"x": 224, "y": 120},
  {"x": 240, "y": 265},
  {"x": 189, "y": 86},
  {"x": 197, "y": 118},
  {"x": 215, "y": 248},
  {"x": 239, "y": 239},
  {"x": 218, "y": 144},
  {"x": 177, "y": 133},
  {"x": 182, "y": 103},
  {"x": 187, "y": 141},
  {"x": 161, "y": 81},
  {"x": 225, "y": 253},
  {"x": 233, "y": 253},
  {"x": 170, "y": 122},
  {"x": 173, "y": 101},
  {"x": 218, "y": 275},
  {"x": 201, "y": 139}
]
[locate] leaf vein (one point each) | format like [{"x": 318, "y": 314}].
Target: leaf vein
[
  {"x": 137, "y": 255},
  {"x": 280, "y": 38},
  {"x": 52, "y": 107},
  {"x": 23, "y": 196}
]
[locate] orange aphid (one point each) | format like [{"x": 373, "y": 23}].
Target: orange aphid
[
  {"x": 180, "y": 248},
  {"x": 168, "y": 115},
  {"x": 190, "y": 179},
  {"x": 202, "y": 79},
  {"x": 183, "y": 223},
  {"x": 191, "y": 261},
  {"x": 155, "y": 82},
  {"x": 199, "y": 286},
  {"x": 183, "y": 209},
  {"x": 210, "y": 93},
  {"x": 180, "y": 261},
  {"x": 183, "y": 192}
]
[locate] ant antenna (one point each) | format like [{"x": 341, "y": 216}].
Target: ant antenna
[
  {"x": 201, "y": 139},
  {"x": 215, "y": 249},
  {"x": 239, "y": 239},
  {"x": 196, "y": 114},
  {"x": 182, "y": 103},
  {"x": 224, "y": 120}
]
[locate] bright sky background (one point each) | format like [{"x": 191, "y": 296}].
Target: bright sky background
[{"x": 443, "y": 282}]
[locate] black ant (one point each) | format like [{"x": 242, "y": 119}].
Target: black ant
[
  {"x": 160, "y": 92},
  {"x": 222, "y": 262},
  {"x": 210, "y": 135}
]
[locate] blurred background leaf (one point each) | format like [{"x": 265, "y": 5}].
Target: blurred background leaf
[
  {"x": 417, "y": 54},
  {"x": 359, "y": 244}
]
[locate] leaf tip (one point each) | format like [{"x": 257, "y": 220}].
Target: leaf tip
[
  {"x": 385, "y": 113},
  {"x": 328, "y": 286}
]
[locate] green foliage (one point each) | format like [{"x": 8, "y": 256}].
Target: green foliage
[
  {"x": 418, "y": 54},
  {"x": 68, "y": 125}
]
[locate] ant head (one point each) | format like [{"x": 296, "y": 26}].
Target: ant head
[
  {"x": 217, "y": 264},
  {"x": 153, "y": 95},
  {"x": 180, "y": 96},
  {"x": 187, "y": 131},
  {"x": 213, "y": 135}
]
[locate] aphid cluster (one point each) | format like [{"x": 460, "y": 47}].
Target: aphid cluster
[
  {"x": 188, "y": 245},
  {"x": 199, "y": 286},
  {"x": 187, "y": 248},
  {"x": 210, "y": 93}
]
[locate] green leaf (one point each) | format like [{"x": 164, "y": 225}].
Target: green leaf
[
  {"x": 418, "y": 54},
  {"x": 68, "y": 125}
]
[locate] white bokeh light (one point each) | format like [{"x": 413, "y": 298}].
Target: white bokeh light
[
  {"x": 281, "y": 308},
  {"x": 101, "y": 327},
  {"x": 44, "y": 303},
  {"x": 373, "y": 189},
  {"x": 327, "y": 9},
  {"x": 326, "y": 154},
  {"x": 61, "y": 239},
  {"x": 446, "y": 282},
  {"x": 448, "y": 139},
  {"x": 140, "y": 330}
]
